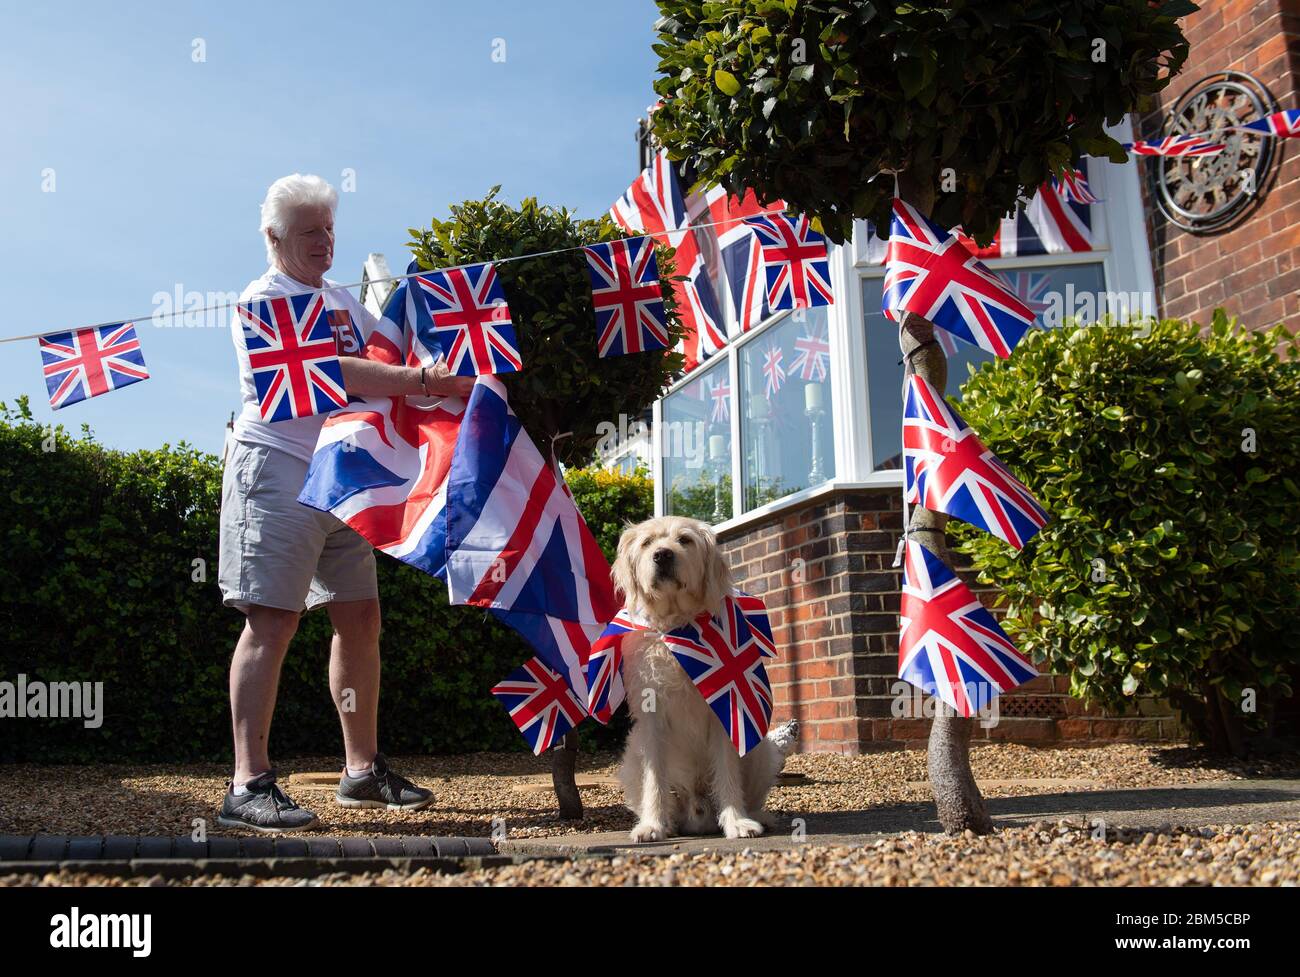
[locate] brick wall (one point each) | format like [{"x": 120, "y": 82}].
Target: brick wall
[
  {"x": 825, "y": 571},
  {"x": 1252, "y": 269}
]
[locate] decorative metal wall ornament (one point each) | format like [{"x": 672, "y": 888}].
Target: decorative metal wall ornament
[{"x": 1212, "y": 193}]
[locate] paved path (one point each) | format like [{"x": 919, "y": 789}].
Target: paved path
[{"x": 1225, "y": 802}]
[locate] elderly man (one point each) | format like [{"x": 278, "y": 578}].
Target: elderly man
[{"x": 279, "y": 557}]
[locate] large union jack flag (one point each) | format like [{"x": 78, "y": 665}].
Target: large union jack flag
[
  {"x": 794, "y": 260},
  {"x": 293, "y": 356},
  {"x": 725, "y": 664},
  {"x": 1197, "y": 144},
  {"x": 949, "y": 645},
  {"x": 470, "y": 320},
  {"x": 1285, "y": 125},
  {"x": 929, "y": 272},
  {"x": 625, "y": 294},
  {"x": 89, "y": 362},
  {"x": 654, "y": 205},
  {"x": 812, "y": 356},
  {"x": 947, "y": 469},
  {"x": 1072, "y": 186},
  {"x": 540, "y": 703}
]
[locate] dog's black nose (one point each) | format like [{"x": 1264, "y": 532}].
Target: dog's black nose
[{"x": 664, "y": 559}]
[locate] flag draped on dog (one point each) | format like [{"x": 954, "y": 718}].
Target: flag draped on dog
[{"x": 722, "y": 656}]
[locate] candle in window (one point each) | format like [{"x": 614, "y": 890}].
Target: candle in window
[
  {"x": 812, "y": 396},
  {"x": 717, "y": 447},
  {"x": 757, "y": 406}
]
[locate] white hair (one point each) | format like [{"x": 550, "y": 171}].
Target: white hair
[{"x": 286, "y": 195}]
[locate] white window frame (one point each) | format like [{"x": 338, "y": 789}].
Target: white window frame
[{"x": 1124, "y": 254}]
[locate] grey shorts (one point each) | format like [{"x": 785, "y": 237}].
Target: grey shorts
[{"x": 277, "y": 552}]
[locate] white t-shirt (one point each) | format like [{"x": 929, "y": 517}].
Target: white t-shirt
[{"x": 352, "y": 325}]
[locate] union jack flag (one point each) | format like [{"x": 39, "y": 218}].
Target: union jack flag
[
  {"x": 1031, "y": 287},
  {"x": 949, "y": 645},
  {"x": 929, "y": 272},
  {"x": 1285, "y": 124},
  {"x": 725, "y": 664},
  {"x": 947, "y": 469},
  {"x": 812, "y": 357},
  {"x": 1199, "y": 144},
  {"x": 540, "y": 703},
  {"x": 795, "y": 261},
  {"x": 89, "y": 362},
  {"x": 733, "y": 252},
  {"x": 470, "y": 320},
  {"x": 773, "y": 371},
  {"x": 630, "y": 316},
  {"x": 720, "y": 391},
  {"x": 653, "y": 205},
  {"x": 1072, "y": 185},
  {"x": 754, "y": 610},
  {"x": 293, "y": 356},
  {"x": 605, "y": 690}
]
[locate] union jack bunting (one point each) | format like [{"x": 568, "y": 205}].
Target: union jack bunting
[
  {"x": 732, "y": 252},
  {"x": 540, "y": 703},
  {"x": 794, "y": 260},
  {"x": 773, "y": 371},
  {"x": 1031, "y": 287},
  {"x": 653, "y": 205},
  {"x": 725, "y": 664},
  {"x": 720, "y": 391},
  {"x": 946, "y": 468},
  {"x": 949, "y": 645},
  {"x": 812, "y": 356},
  {"x": 1072, "y": 185},
  {"x": 929, "y": 272},
  {"x": 1285, "y": 125},
  {"x": 89, "y": 362},
  {"x": 470, "y": 320},
  {"x": 605, "y": 692},
  {"x": 1199, "y": 144},
  {"x": 625, "y": 294},
  {"x": 293, "y": 356}
]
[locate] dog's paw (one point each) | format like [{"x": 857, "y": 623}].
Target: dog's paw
[
  {"x": 645, "y": 831},
  {"x": 785, "y": 737},
  {"x": 738, "y": 826}
]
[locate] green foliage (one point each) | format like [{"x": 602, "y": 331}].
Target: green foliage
[
  {"x": 610, "y": 500},
  {"x": 1171, "y": 565},
  {"x": 808, "y": 101},
  {"x": 98, "y": 585},
  {"x": 564, "y": 386}
]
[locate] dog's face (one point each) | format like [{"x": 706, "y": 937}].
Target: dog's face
[{"x": 670, "y": 570}]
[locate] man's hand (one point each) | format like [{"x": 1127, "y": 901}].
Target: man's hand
[{"x": 439, "y": 382}]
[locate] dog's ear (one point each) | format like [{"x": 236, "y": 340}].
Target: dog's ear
[
  {"x": 621, "y": 572},
  {"x": 718, "y": 583}
]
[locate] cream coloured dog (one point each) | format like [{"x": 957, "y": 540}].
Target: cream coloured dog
[{"x": 680, "y": 772}]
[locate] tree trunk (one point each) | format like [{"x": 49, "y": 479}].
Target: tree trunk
[
  {"x": 956, "y": 795},
  {"x": 564, "y": 763}
]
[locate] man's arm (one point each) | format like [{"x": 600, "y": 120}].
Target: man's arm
[{"x": 368, "y": 378}]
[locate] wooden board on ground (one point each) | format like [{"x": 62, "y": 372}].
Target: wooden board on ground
[
  {"x": 316, "y": 781},
  {"x": 541, "y": 783}
]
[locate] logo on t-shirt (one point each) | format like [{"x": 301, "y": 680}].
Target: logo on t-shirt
[{"x": 346, "y": 340}]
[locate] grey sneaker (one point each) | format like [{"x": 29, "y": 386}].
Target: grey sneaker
[
  {"x": 264, "y": 808},
  {"x": 381, "y": 788}
]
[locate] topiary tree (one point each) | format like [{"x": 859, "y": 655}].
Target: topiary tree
[
  {"x": 563, "y": 386},
  {"x": 1171, "y": 462},
  {"x": 564, "y": 390},
  {"x": 971, "y": 106}
]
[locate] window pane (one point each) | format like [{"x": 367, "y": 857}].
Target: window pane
[
  {"x": 696, "y": 443},
  {"x": 1050, "y": 291},
  {"x": 786, "y": 426}
]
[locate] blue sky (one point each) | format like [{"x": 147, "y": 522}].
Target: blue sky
[{"x": 160, "y": 162}]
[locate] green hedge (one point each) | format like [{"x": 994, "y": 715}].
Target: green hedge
[
  {"x": 1170, "y": 461},
  {"x": 98, "y": 585}
]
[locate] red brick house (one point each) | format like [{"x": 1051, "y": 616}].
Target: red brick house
[{"x": 800, "y": 475}]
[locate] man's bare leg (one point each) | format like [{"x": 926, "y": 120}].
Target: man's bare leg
[
  {"x": 254, "y": 680},
  {"x": 354, "y": 677}
]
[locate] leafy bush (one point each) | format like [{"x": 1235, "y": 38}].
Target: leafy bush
[
  {"x": 1171, "y": 465},
  {"x": 609, "y": 500},
  {"x": 810, "y": 101},
  {"x": 99, "y": 584}
]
